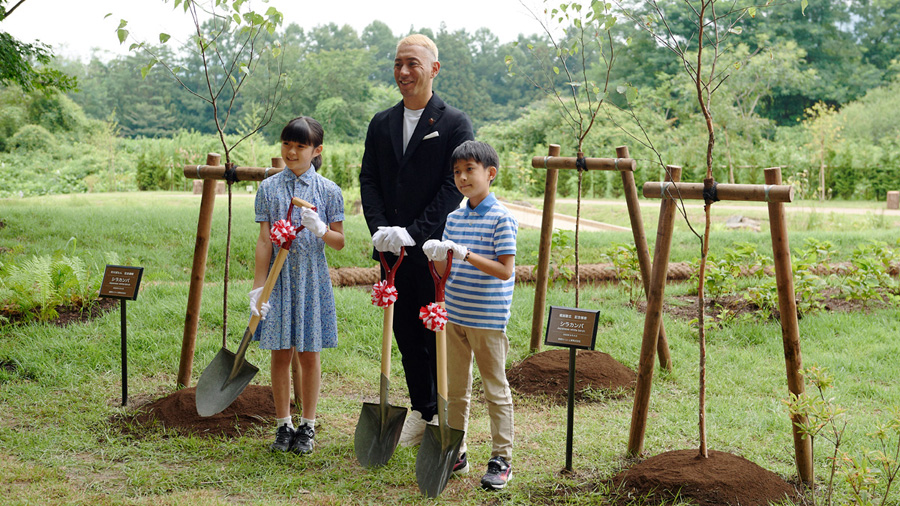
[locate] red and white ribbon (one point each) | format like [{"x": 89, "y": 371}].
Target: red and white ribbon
[
  {"x": 433, "y": 316},
  {"x": 283, "y": 232},
  {"x": 383, "y": 295}
]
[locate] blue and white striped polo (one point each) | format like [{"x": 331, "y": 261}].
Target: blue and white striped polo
[{"x": 473, "y": 298}]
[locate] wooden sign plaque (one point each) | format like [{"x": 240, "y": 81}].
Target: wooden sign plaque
[
  {"x": 121, "y": 282},
  {"x": 572, "y": 327}
]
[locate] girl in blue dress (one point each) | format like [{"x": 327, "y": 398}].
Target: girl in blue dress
[{"x": 300, "y": 314}]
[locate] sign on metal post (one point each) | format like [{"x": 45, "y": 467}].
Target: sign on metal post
[
  {"x": 122, "y": 282},
  {"x": 574, "y": 329}
]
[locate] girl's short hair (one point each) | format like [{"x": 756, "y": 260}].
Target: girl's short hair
[
  {"x": 307, "y": 131},
  {"x": 417, "y": 39}
]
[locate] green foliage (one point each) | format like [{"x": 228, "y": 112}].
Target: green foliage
[
  {"x": 28, "y": 65},
  {"x": 32, "y": 138},
  {"x": 625, "y": 263},
  {"x": 869, "y": 475},
  {"x": 37, "y": 285}
]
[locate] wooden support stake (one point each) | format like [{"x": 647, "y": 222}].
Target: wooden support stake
[
  {"x": 543, "y": 266},
  {"x": 745, "y": 192},
  {"x": 643, "y": 252},
  {"x": 653, "y": 317},
  {"x": 790, "y": 328},
  {"x": 198, "y": 272}
]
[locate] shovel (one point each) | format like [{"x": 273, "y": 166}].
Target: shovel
[
  {"x": 440, "y": 445},
  {"x": 379, "y": 426},
  {"x": 229, "y": 373}
]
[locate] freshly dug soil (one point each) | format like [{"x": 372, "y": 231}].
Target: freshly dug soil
[
  {"x": 721, "y": 479},
  {"x": 547, "y": 373},
  {"x": 178, "y": 412}
]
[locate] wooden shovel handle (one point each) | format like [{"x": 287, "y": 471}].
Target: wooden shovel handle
[
  {"x": 267, "y": 288},
  {"x": 441, "y": 360},
  {"x": 297, "y": 201}
]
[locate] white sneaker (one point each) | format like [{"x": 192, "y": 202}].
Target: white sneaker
[{"x": 413, "y": 429}]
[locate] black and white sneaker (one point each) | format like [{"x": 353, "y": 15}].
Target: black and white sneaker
[
  {"x": 283, "y": 437},
  {"x": 498, "y": 474},
  {"x": 304, "y": 439},
  {"x": 462, "y": 465}
]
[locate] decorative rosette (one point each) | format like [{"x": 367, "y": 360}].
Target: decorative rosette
[
  {"x": 383, "y": 295},
  {"x": 283, "y": 232},
  {"x": 433, "y": 316}
]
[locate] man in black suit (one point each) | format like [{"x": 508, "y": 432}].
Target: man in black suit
[{"x": 407, "y": 191}]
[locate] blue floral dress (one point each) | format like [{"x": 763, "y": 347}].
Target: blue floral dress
[{"x": 302, "y": 312}]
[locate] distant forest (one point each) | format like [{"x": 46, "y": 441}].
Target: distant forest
[{"x": 810, "y": 89}]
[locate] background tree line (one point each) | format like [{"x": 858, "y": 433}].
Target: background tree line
[{"x": 808, "y": 91}]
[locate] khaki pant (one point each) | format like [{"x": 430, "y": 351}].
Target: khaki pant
[{"x": 489, "y": 348}]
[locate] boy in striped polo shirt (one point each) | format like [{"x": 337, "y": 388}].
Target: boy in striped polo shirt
[{"x": 482, "y": 236}]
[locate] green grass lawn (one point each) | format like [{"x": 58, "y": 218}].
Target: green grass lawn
[{"x": 61, "y": 387}]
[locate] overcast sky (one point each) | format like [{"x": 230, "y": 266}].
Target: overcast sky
[{"x": 76, "y": 27}]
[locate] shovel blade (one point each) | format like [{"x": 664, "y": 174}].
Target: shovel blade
[
  {"x": 377, "y": 433},
  {"x": 436, "y": 457},
  {"x": 215, "y": 391}
]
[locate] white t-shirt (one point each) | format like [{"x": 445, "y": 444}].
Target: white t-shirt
[{"x": 410, "y": 120}]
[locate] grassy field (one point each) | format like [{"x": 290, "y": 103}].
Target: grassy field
[{"x": 61, "y": 387}]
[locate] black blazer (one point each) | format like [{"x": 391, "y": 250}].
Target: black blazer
[{"x": 413, "y": 189}]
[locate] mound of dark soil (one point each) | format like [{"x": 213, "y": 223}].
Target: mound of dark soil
[
  {"x": 547, "y": 373},
  {"x": 721, "y": 479},
  {"x": 178, "y": 412}
]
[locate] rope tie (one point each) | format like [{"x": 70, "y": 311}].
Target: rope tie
[
  {"x": 617, "y": 163},
  {"x": 664, "y": 188},
  {"x": 231, "y": 174},
  {"x": 710, "y": 193},
  {"x": 546, "y": 159},
  {"x": 198, "y": 172},
  {"x": 767, "y": 188}
]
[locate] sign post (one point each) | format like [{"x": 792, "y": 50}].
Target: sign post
[
  {"x": 574, "y": 329},
  {"x": 120, "y": 282}
]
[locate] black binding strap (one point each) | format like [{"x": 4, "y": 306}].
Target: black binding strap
[
  {"x": 710, "y": 194},
  {"x": 231, "y": 174}
]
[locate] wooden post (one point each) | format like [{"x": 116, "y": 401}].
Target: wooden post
[
  {"x": 653, "y": 317},
  {"x": 790, "y": 328},
  {"x": 198, "y": 272},
  {"x": 643, "y": 251},
  {"x": 543, "y": 266}
]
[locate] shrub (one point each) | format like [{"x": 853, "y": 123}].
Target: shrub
[{"x": 32, "y": 138}]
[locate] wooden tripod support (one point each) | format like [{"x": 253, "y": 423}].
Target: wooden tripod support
[
  {"x": 776, "y": 195},
  {"x": 625, "y": 166}
]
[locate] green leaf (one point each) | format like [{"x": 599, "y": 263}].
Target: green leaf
[
  {"x": 751, "y": 11},
  {"x": 621, "y": 89},
  {"x": 556, "y": 70},
  {"x": 108, "y": 15},
  {"x": 164, "y": 37},
  {"x": 803, "y": 5},
  {"x": 737, "y": 30},
  {"x": 236, "y": 18},
  {"x": 122, "y": 24},
  {"x": 122, "y": 34},
  {"x": 146, "y": 69}
]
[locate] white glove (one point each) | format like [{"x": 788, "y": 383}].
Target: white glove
[
  {"x": 459, "y": 251},
  {"x": 263, "y": 309},
  {"x": 392, "y": 239},
  {"x": 310, "y": 219},
  {"x": 435, "y": 250}
]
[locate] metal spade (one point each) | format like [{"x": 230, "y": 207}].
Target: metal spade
[
  {"x": 440, "y": 444},
  {"x": 379, "y": 426}
]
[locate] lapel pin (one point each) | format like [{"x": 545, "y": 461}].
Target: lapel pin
[{"x": 430, "y": 121}]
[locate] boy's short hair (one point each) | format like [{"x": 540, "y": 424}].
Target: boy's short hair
[
  {"x": 480, "y": 152},
  {"x": 417, "y": 39}
]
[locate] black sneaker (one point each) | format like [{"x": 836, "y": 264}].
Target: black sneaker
[
  {"x": 462, "y": 465},
  {"x": 283, "y": 437},
  {"x": 304, "y": 439},
  {"x": 498, "y": 474}
]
